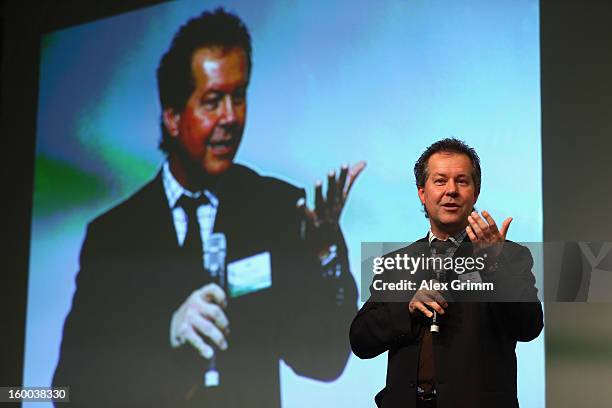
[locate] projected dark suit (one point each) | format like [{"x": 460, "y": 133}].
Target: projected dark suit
[
  {"x": 116, "y": 348},
  {"x": 474, "y": 353}
]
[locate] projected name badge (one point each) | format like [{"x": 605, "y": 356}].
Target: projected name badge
[{"x": 249, "y": 275}]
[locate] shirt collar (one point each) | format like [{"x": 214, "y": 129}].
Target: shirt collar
[
  {"x": 174, "y": 190},
  {"x": 456, "y": 239}
]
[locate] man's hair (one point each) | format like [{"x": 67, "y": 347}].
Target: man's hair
[
  {"x": 448, "y": 145},
  {"x": 175, "y": 81}
]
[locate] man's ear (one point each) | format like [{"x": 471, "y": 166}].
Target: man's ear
[
  {"x": 421, "y": 191},
  {"x": 172, "y": 121}
]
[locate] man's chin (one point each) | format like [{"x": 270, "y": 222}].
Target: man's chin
[
  {"x": 217, "y": 167},
  {"x": 452, "y": 224}
]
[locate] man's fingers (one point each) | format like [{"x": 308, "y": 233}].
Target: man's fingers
[
  {"x": 437, "y": 296},
  {"x": 491, "y": 221},
  {"x": 424, "y": 309},
  {"x": 475, "y": 228},
  {"x": 418, "y": 305},
  {"x": 436, "y": 306},
  {"x": 208, "y": 329},
  {"x": 342, "y": 182},
  {"x": 215, "y": 314},
  {"x": 505, "y": 226},
  {"x": 352, "y": 176},
  {"x": 213, "y": 292},
  {"x": 431, "y": 298},
  {"x": 471, "y": 234},
  {"x": 196, "y": 341},
  {"x": 481, "y": 223},
  {"x": 328, "y": 208},
  {"x": 201, "y": 315},
  {"x": 331, "y": 189},
  {"x": 319, "y": 204}
]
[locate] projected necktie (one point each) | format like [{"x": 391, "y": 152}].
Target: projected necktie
[{"x": 192, "y": 245}]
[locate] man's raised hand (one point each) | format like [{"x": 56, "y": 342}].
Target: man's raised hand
[
  {"x": 321, "y": 226},
  {"x": 485, "y": 235}
]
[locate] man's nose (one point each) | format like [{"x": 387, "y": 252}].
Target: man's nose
[
  {"x": 228, "y": 114},
  {"x": 451, "y": 188}
]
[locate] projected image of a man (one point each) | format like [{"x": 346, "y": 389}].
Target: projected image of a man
[{"x": 148, "y": 318}]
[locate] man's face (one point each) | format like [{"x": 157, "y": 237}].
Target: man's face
[
  {"x": 449, "y": 193},
  {"x": 209, "y": 128}
]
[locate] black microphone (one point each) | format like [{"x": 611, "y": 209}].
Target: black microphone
[
  {"x": 215, "y": 249},
  {"x": 439, "y": 274}
]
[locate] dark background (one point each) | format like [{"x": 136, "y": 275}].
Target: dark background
[
  {"x": 576, "y": 63},
  {"x": 576, "y": 52}
]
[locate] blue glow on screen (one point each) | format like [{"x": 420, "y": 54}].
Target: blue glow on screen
[{"x": 332, "y": 83}]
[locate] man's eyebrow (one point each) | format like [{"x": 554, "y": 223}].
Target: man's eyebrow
[
  {"x": 439, "y": 174},
  {"x": 220, "y": 92}
]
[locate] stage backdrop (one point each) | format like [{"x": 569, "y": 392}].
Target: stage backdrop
[{"x": 332, "y": 82}]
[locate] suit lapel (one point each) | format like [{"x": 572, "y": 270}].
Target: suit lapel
[{"x": 157, "y": 217}]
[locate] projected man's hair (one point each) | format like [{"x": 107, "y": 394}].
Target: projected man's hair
[{"x": 175, "y": 81}]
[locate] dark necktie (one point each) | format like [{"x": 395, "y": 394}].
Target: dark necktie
[
  {"x": 441, "y": 247},
  {"x": 192, "y": 245},
  {"x": 427, "y": 371}
]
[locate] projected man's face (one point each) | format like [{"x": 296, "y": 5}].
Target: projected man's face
[
  {"x": 209, "y": 128},
  {"x": 449, "y": 193}
]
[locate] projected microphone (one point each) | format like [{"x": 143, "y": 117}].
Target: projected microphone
[
  {"x": 215, "y": 249},
  {"x": 214, "y": 257}
]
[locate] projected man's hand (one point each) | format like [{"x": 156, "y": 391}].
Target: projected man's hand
[
  {"x": 201, "y": 322},
  {"x": 321, "y": 227}
]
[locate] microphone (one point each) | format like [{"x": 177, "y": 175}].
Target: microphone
[
  {"x": 439, "y": 274},
  {"x": 215, "y": 249},
  {"x": 214, "y": 257}
]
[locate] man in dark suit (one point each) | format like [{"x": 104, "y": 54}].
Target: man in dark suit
[
  {"x": 150, "y": 324},
  {"x": 470, "y": 360}
]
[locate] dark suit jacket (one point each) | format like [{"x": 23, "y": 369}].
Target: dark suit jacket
[
  {"x": 474, "y": 353},
  {"x": 116, "y": 346}
]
